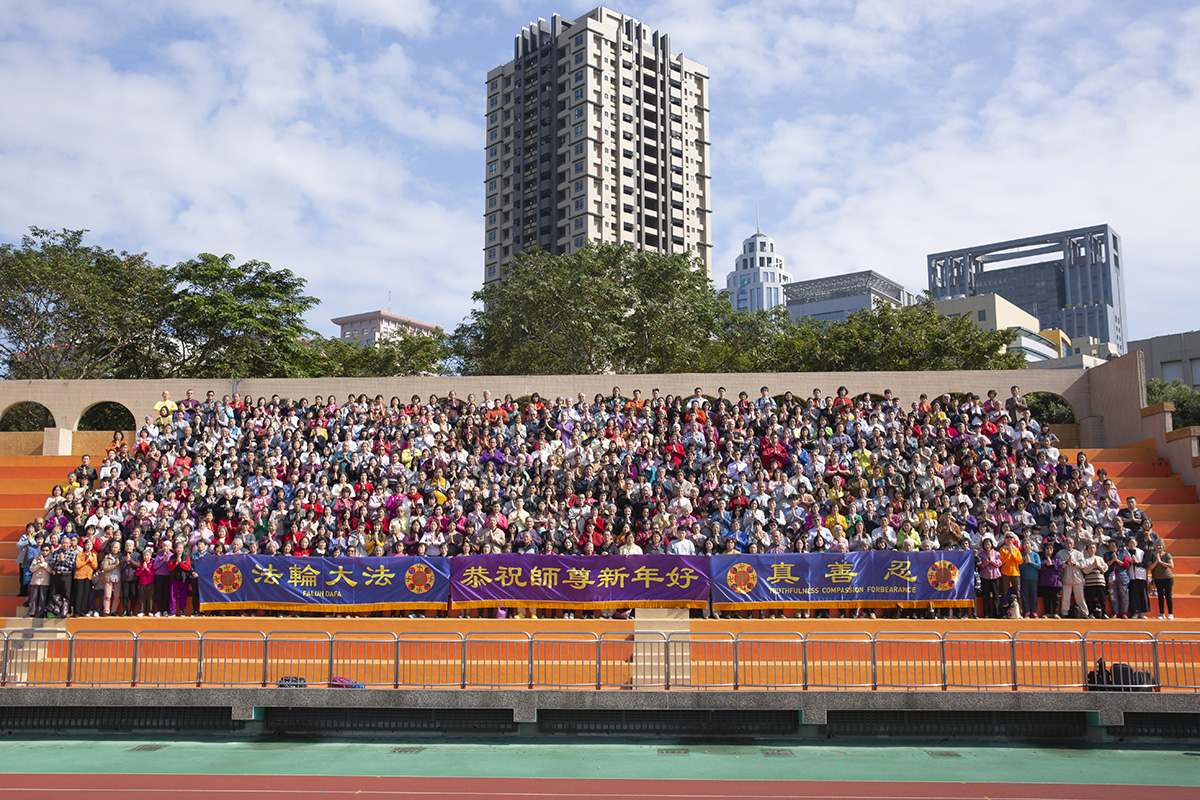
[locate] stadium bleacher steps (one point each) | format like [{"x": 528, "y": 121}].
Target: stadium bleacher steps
[
  {"x": 26, "y": 481},
  {"x": 1137, "y": 470}
]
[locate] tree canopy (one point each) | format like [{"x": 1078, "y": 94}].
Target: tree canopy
[
  {"x": 609, "y": 308},
  {"x": 69, "y": 310},
  {"x": 1185, "y": 398},
  {"x": 72, "y": 311}
]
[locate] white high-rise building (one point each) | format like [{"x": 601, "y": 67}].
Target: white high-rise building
[
  {"x": 758, "y": 276},
  {"x": 596, "y": 132}
]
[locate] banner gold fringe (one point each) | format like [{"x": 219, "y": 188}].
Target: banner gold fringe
[
  {"x": 598, "y": 606},
  {"x": 809, "y": 604},
  {"x": 322, "y": 607}
]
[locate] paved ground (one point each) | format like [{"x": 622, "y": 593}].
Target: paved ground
[{"x": 55, "y": 768}]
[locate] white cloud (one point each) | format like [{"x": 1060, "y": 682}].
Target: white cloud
[
  {"x": 245, "y": 130},
  {"x": 341, "y": 138}
]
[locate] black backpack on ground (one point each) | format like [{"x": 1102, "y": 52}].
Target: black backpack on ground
[
  {"x": 292, "y": 682},
  {"x": 1121, "y": 678}
]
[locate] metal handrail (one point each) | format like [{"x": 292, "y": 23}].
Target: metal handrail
[
  {"x": 243, "y": 636},
  {"x": 373, "y": 637},
  {"x": 1053, "y": 663},
  {"x": 914, "y": 637},
  {"x": 566, "y": 637},
  {"x": 170, "y": 635}
]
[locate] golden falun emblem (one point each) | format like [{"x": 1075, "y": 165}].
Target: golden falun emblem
[
  {"x": 742, "y": 578},
  {"x": 943, "y": 576},
  {"x": 419, "y": 578},
  {"x": 227, "y": 578}
]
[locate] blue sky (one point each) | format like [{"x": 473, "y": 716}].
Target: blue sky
[{"x": 344, "y": 140}]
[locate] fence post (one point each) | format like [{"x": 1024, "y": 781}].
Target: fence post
[
  {"x": 1083, "y": 657},
  {"x": 942, "y": 649},
  {"x": 70, "y": 659},
  {"x": 463, "y": 672},
  {"x": 530, "y": 682},
  {"x": 667, "y": 662},
  {"x": 874, "y": 663},
  {"x": 1012, "y": 650},
  {"x": 396, "y": 664},
  {"x": 1154, "y": 651},
  {"x": 804, "y": 660},
  {"x": 133, "y": 678},
  {"x": 4, "y": 664},
  {"x": 599, "y": 656},
  {"x": 266, "y": 669},
  {"x": 199, "y": 661}
]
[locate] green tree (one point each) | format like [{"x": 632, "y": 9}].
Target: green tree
[
  {"x": 1049, "y": 408},
  {"x": 883, "y": 338},
  {"x": 236, "y": 321},
  {"x": 71, "y": 311},
  {"x": 1185, "y": 398},
  {"x": 603, "y": 308},
  {"x": 399, "y": 354}
]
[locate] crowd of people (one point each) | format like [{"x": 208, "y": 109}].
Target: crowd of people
[{"x": 607, "y": 475}]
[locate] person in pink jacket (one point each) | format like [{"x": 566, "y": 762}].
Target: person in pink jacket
[{"x": 988, "y": 561}]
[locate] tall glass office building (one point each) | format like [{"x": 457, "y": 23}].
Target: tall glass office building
[{"x": 1070, "y": 280}]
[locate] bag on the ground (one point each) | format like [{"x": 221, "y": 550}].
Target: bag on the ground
[
  {"x": 1119, "y": 678},
  {"x": 344, "y": 683},
  {"x": 292, "y": 682},
  {"x": 1077, "y": 612}
]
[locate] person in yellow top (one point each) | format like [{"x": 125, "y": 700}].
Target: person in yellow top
[
  {"x": 86, "y": 563},
  {"x": 166, "y": 403},
  {"x": 835, "y": 517},
  {"x": 1010, "y": 565}
]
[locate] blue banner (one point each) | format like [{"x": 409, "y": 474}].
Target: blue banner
[
  {"x": 937, "y": 578},
  {"x": 283, "y": 583}
]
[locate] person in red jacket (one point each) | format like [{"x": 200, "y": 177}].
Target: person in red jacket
[
  {"x": 179, "y": 574},
  {"x": 774, "y": 455}
]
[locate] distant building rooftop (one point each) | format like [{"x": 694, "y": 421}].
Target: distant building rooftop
[
  {"x": 371, "y": 316},
  {"x": 849, "y": 285}
]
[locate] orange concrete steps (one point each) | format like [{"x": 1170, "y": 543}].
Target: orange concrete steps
[
  {"x": 1183, "y": 496},
  {"x": 1186, "y": 607},
  {"x": 1183, "y": 547},
  {"x": 10, "y": 584},
  {"x": 1136, "y": 469},
  {"x": 1186, "y": 584},
  {"x": 18, "y": 517},
  {"x": 1173, "y": 512},
  {"x": 1186, "y": 565},
  {"x": 1175, "y": 529},
  {"x": 14, "y": 531},
  {"x": 53, "y": 474},
  {"x": 26, "y": 485},
  {"x": 69, "y": 462},
  {"x": 23, "y": 501},
  {"x": 10, "y": 606},
  {"x": 1168, "y": 482},
  {"x": 1125, "y": 453}
]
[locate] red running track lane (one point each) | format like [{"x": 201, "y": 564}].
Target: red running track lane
[{"x": 267, "y": 787}]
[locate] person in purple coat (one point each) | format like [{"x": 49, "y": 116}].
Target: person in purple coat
[{"x": 1050, "y": 579}]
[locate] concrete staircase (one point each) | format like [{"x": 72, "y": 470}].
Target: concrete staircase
[
  {"x": 1137, "y": 470},
  {"x": 25, "y": 483}
]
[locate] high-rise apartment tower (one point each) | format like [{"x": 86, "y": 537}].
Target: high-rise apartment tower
[{"x": 596, "y": 132}]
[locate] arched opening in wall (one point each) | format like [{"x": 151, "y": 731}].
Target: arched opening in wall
[
  {"x": 1048, "y": 408},
  {"x": 108, "y": 416},
  {"x": 26, "y": 417}
]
